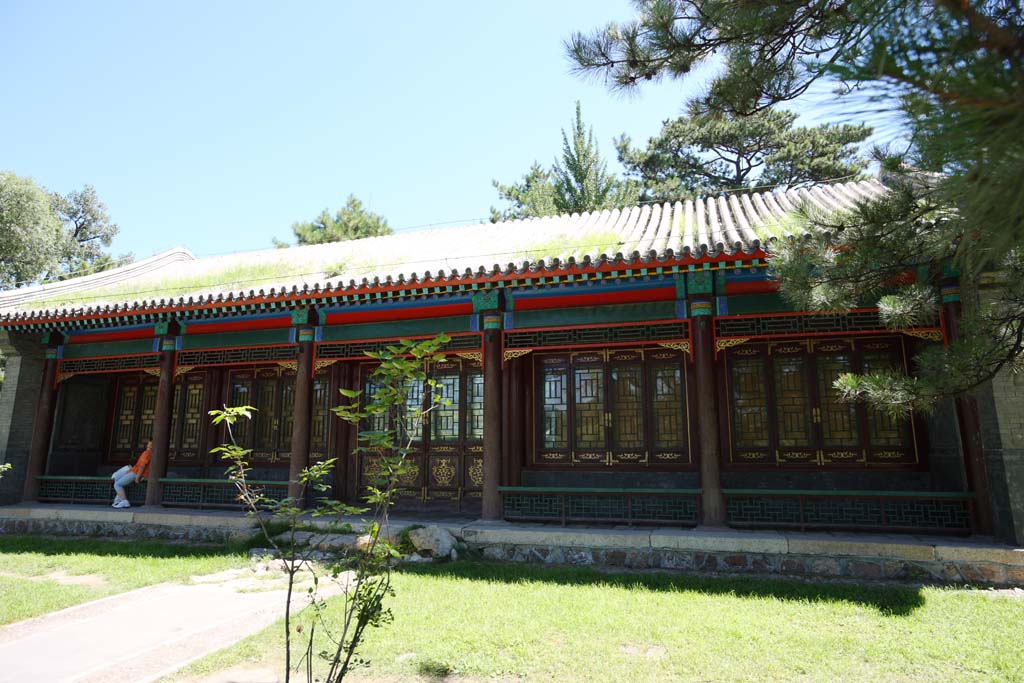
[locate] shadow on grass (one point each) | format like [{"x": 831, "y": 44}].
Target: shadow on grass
[
  {"x": 889, "y": 600},
  {"x": 105, "y": 547}
]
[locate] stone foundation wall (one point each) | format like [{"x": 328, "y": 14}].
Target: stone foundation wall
[
  {"x": 121, "y": 530},
  {"x": 729, "y": 562}
]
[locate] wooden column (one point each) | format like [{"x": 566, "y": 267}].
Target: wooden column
[
  {"x": 969, "y": 424},
  {"x": 699, "y": 289},
  {"x": 299, "y": 458},
  {"x": 43, "y": 426},
  {"x": 163, "y": 413},
  {"x": 492, "y": 415}
]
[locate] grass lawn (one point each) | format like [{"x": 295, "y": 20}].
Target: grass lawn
[
  {"x": 482, "y": 621},
  {"x": 40, "y": 575}
]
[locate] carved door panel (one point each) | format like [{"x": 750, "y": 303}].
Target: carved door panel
[
  {"x": 795, "y": 427},
  {"x": 268, "y": 434},
  {"x": 627, "y": 390},
  {"x": 134, "y": 412},
  {"x": 837, "y": 420},
  {"x": 890, "y": 441}
]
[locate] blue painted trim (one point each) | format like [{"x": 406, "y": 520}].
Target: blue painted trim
[
  {"x": 508, "y": 321},
  {"x": 681, "y": 309},
  {"x": 722, "y": 305}
]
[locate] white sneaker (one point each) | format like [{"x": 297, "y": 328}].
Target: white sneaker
[{"x": 123, "y": 504}]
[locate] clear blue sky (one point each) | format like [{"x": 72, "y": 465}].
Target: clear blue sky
[{"x": 216, "y": 125}]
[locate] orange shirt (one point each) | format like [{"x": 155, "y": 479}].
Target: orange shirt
[{"x": 141, "y": 468}]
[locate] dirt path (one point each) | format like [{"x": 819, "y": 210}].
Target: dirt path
[{"x": 142, "y": 635}]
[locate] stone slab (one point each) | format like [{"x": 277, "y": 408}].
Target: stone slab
[
  {"x": 850, "y": 545},
  {"x": 718, "y": 540},
  {"x": 569, "y": 537},
  {"x": 968, "y": 552}
]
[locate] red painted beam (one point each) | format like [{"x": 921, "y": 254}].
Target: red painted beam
[
  {"x": 411, "y": 313},
  {"x": 115, "y": 335},
  {"x": 596, "y": 299}
]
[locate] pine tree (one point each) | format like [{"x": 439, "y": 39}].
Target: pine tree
[
  {"x": 351, "y": 222},
  {"x": 578, "y": 181},
  {"x": 706, "y": 153},
  {"x": 955, "y": 72}
]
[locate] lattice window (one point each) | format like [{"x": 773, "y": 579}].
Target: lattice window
[
  {"x": 611, "y": 407},
  {"x": 444, "y": 419},
  {"x": 125, "y": 423},
  {"x": 838, "y": 417},
  {"x": 668, "y": 427},
  {"x": 773, "y": 325},
  {"x": 474, "y": 406},
  {"x": 359, "y": 349},
  {"x": 595, "y": 336},
  {"x": 554, "y": 386},
  {"x": 99, "y": 365},
  {"x": 749, "y": 403},
  {"x": 239, "y": 356},
  {"x": 147, "y": 412},
  {"x": 627, "y": 404},
  {"x": 319, "y": 431},
  {"x": 792, "y": 403},
  {"x": 804, "y": 419},
  {"x": 242, "y": 395},
  {"x": 883, "y": 430},
  {"x": 588, "y": 402}
]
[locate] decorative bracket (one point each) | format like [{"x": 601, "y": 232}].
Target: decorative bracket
[
  {"x": 181, "y": 370},
  {"x": 477, "y": 356},
  {"x": 323, "y": 363},
  {"x": 511, "y": 354},
  {"x": 929, "y": 335},
  {"x": 683, "y": 346},
  {"x": 722, "y": 343}
]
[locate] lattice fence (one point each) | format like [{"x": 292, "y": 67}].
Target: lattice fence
[
  {"x": 359, "y": 349},
  {"x": 597, "y": 335},
  {"x": 92, "y": 365},
  {"x": 240, "y": 356},
  {"x": 883, "y": 513},
  {"x": 771, "y": 325}
]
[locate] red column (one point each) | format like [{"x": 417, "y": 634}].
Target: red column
[
  {"x": 492, "y": 415},
  {"x": 164, "y": 410},
  {"x": 43, "y": 427},
  {"x": 712, "y": 501},
  {"x": 299, "y": 458}
]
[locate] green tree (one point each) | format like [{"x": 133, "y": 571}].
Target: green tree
[
  {"x": 30, "y": 232},
  {"x": 706, "y": 153},
  {"x": 88, "y": 231},
  {"x": 953, "y": 72},
  {"x": 579, "y": 181},
  {"x": 351, "y": 222}
]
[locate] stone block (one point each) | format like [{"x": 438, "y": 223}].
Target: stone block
[
  {"x": 719, "y": 540},
  {"x": 792, "y": 566},
  {"x": 581, "y": 557},
  {"x": 824, "y": 566},
  {"x": 735, "y": 562},
  {"x": 494, "y": 552},
  {"x": 983, "y": 573},
  {"x": 567, "y": 537},
  {"x": 1015, "y": 576},
  {"x": 849, "y": 545},
  {"x": 862, "y": 569},
  {"x": 673, "y": 559},
  {"x": 974, "y": 552},
  {"x": 433, "y": 540},
  {"x": 705, "y": 562}
]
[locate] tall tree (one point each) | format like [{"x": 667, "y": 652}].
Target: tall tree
[
  {"x": 30, "y": 232},
  {"x": 351, "y": 222},
  {"x": 955, "y": 72},
  {"x": 705, "y": 153},
  {"x": 88, "y": 231},
  {"x": 578, "y": 181}
]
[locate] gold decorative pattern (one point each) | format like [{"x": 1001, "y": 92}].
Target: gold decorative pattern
[
  {"x": 443, "y": 472},
  {"x": 729, "y": 342},
  {"x": 750, "y": 455},
  {"x": 292, "y": 365},
  {"x": 476, "y": 472},
  {"x": 182, "y": 369},
  {"x": 832, "y": 346},
  {"x": 321, "y": 364},
  {"x": 746, "y": 352},
  {"x": 61, "y": 376},
  {"x": 889, "y": 455},
  {"x": 471, "y": 355},
  {"x": 409, "y": 477},
  {"x": 683, "y": 346},
  {"x": 929, "y": 335},
  {"x": 511, "y": 354}
]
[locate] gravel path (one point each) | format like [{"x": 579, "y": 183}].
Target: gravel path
[{"x": 142, "y": 635}]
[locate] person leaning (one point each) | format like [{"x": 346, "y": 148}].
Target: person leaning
[{"x": 129, "y": 475}]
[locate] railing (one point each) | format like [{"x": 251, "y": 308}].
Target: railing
[
  {"x": 193, "y": 493},
  {"x": 61, "y": 489},
  {"x": 641, "y": 506},
  {"x": 920, "y": 511},
  {"x": 214, "y": 493}
]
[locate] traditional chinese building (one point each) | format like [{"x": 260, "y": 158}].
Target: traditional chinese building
[{"x": 630, "y": 365}]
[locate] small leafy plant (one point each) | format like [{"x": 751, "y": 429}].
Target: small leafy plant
[{"x": 389, "y": 418}]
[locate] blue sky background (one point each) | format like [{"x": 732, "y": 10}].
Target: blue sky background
[{"x": 215, "y": 125}]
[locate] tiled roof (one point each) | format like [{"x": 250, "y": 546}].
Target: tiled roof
[{"x": 727, "y": 225}]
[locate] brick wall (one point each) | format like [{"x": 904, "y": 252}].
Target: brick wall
[
  {"x": 25, "y": 358},
  {"x": 1001, "y": 408}
]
